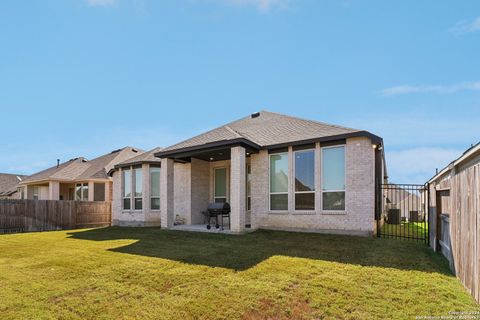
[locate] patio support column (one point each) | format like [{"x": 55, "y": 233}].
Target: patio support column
[
  {"x": 53, "y": 190},
  {"x": 237, "y": 189},
  {"x": 166, "y": 193}
]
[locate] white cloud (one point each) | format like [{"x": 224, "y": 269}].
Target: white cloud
[
  {"x": 438, "y": 89},
  {"x": 417, "y": 165},
  {"x": 465, "y": 26},
  {"x": 261, "y": 5},
  {"x": 101, "y": 3}
]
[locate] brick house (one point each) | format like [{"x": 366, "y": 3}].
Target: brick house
[
  {"x": 275, "y": 171},
  {"x": 77, "y": 179}
]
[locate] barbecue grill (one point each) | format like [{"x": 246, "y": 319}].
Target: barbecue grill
[{"x": 215, "y": 210}]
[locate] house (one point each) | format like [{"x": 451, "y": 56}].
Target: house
[
  {"x": 77, "y": 179},
  {"x": 275, "y": 171},
  {"x": 455, "y": 217},
  {"x": 9, "y": 185}
]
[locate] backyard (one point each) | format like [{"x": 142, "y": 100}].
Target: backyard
[{"x": 127, "y": 273}]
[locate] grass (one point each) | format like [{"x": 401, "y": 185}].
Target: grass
[
  {"x": 417, "y": 230},
  {"x": 117, "y": 273}
]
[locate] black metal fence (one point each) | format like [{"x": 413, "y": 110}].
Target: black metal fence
[{"x": 404, "y": 212}]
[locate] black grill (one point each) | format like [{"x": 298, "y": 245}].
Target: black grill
[{"x": 214, "y": 210}]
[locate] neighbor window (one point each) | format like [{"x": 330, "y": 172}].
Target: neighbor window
[
  {"x": 333, "y": 178},
  {"x": 220, "y": 185},
  {"x": 99, "y": 192},
  {"x": 35, "y": 193},
  {"x": 248, "y": 183},
  {"x": 305, "y": 180},
  {"x": 138, "y": 185},
  {"x": 279, "y": 181},
  {"x": 155, "y": 188},
  {"x": 81, "y": 192},
  {"x": 127, "y": 189}
]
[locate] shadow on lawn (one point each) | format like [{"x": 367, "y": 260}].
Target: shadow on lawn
[{"x": 242, "y": 252}]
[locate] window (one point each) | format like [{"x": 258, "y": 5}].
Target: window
[
  {"x": 99, "y": 192},
  {"x": 155, "y": 188},
  {"x": 333, "y": 178},
  {"x": 81, "y": 191},
  {"x": 220, "y": 185},
  {"x": 137, "y": 182},
  {"x": 127, "y": 189},
  {"x": 279, "y": 181},
  {"x": 305, "y": 180},
  {"x": 35, "y": 193},
  {"x": 249, "y": 190}
]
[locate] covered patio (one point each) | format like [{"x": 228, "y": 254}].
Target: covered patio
[{"x": 212, "y": 173}]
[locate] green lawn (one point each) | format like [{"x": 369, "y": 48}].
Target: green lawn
[
  {"x": 417, "y": 230},
  {"x": 117, "y": 273}
]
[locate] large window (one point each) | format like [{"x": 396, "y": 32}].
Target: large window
[
  {"x": 220, "y": 185},
  {"x": 249, "y": 190},
  {"x": 333, "y": 178},
  {"x": 138, "y": 185},
  {"x": 155, "y": 188},
  {"x": 99, "y": 192},
  {"x": 305, "y": 180},
  {"x": 127, "y": 189},
  {"x": 279, "y": 181},
  {"x": 81, "y": 192}
]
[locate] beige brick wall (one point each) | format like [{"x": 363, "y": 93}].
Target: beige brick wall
[{"x": 358, "y": 218}]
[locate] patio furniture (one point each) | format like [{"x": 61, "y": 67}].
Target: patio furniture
[{"x": 215, "y": 210}]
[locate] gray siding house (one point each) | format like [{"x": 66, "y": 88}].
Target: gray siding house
[{"x": 275, "y": 171}]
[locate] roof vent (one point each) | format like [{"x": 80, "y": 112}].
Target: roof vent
[
  {"x": 116, "y": 151},
  {"x": 255, "y": 115}
]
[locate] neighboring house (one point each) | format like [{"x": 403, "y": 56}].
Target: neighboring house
[
  {"x": 276, "y": 172},
  {"x": 77, "y": 179},
  {"x": 406, "y": 199},
  {"x": 455, "y": 217},
  {"x": 9, "y": 186}
]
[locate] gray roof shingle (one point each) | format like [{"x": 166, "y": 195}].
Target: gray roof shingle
[
  {"x": 82, "y": 169},
  {"x": 9, "y": 183},
  {"x": 146, "y": 157},
  {"x": 267, "y": 129}
]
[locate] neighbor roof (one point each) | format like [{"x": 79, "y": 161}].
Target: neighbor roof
[
  {"x": 266, "y": 130},
  {"x": 145, "y": 157},
  {"x": 82, "y": 169},
  {"x": 9, "y": 183},
  {"x": 466, "y": 155}
]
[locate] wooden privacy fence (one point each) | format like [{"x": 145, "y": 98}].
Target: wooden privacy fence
[
  {"x": 465, "y": 227},
  {"x": 48, "y": 215}
]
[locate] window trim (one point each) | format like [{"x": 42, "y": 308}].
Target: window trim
[
  {"x": 129, "y": 169},
  {"x": 322, "y": 191},
  {"x": 159, "y": 187},
  {"x": 314, "y": 179},
  {"x": 270, "y": 193},
  {"x": 134, "y": 187},
  {"x": 82, "y": 191},
  {"x": 215, "y": 182}
]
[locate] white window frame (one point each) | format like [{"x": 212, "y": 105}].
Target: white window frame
[
  {"x": 35, "y": 192},
  {"x": 130, "y": 171},
  {"x": 270, "y": 193},
  {"x": 294, "y": 176},
  {"x": 82, "y": 191},
  {"x": 344, "y": 177},
  {"x": 159, "y": 184},
  {"x": 215, "y": 182},
  {"x": 134, "y": 187}
]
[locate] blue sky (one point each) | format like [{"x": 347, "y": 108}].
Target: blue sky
[{"x": 84, "y": 77}]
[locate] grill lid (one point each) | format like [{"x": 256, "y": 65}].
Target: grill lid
[{"x": 224, "y": 207}]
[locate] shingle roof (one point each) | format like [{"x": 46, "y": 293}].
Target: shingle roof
[
  {"x": 9, "y": 183},
  {"x": 82, "y": 169},
  {"x": 146, "y": 157},
  {"x": 266, "y": 129}
]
